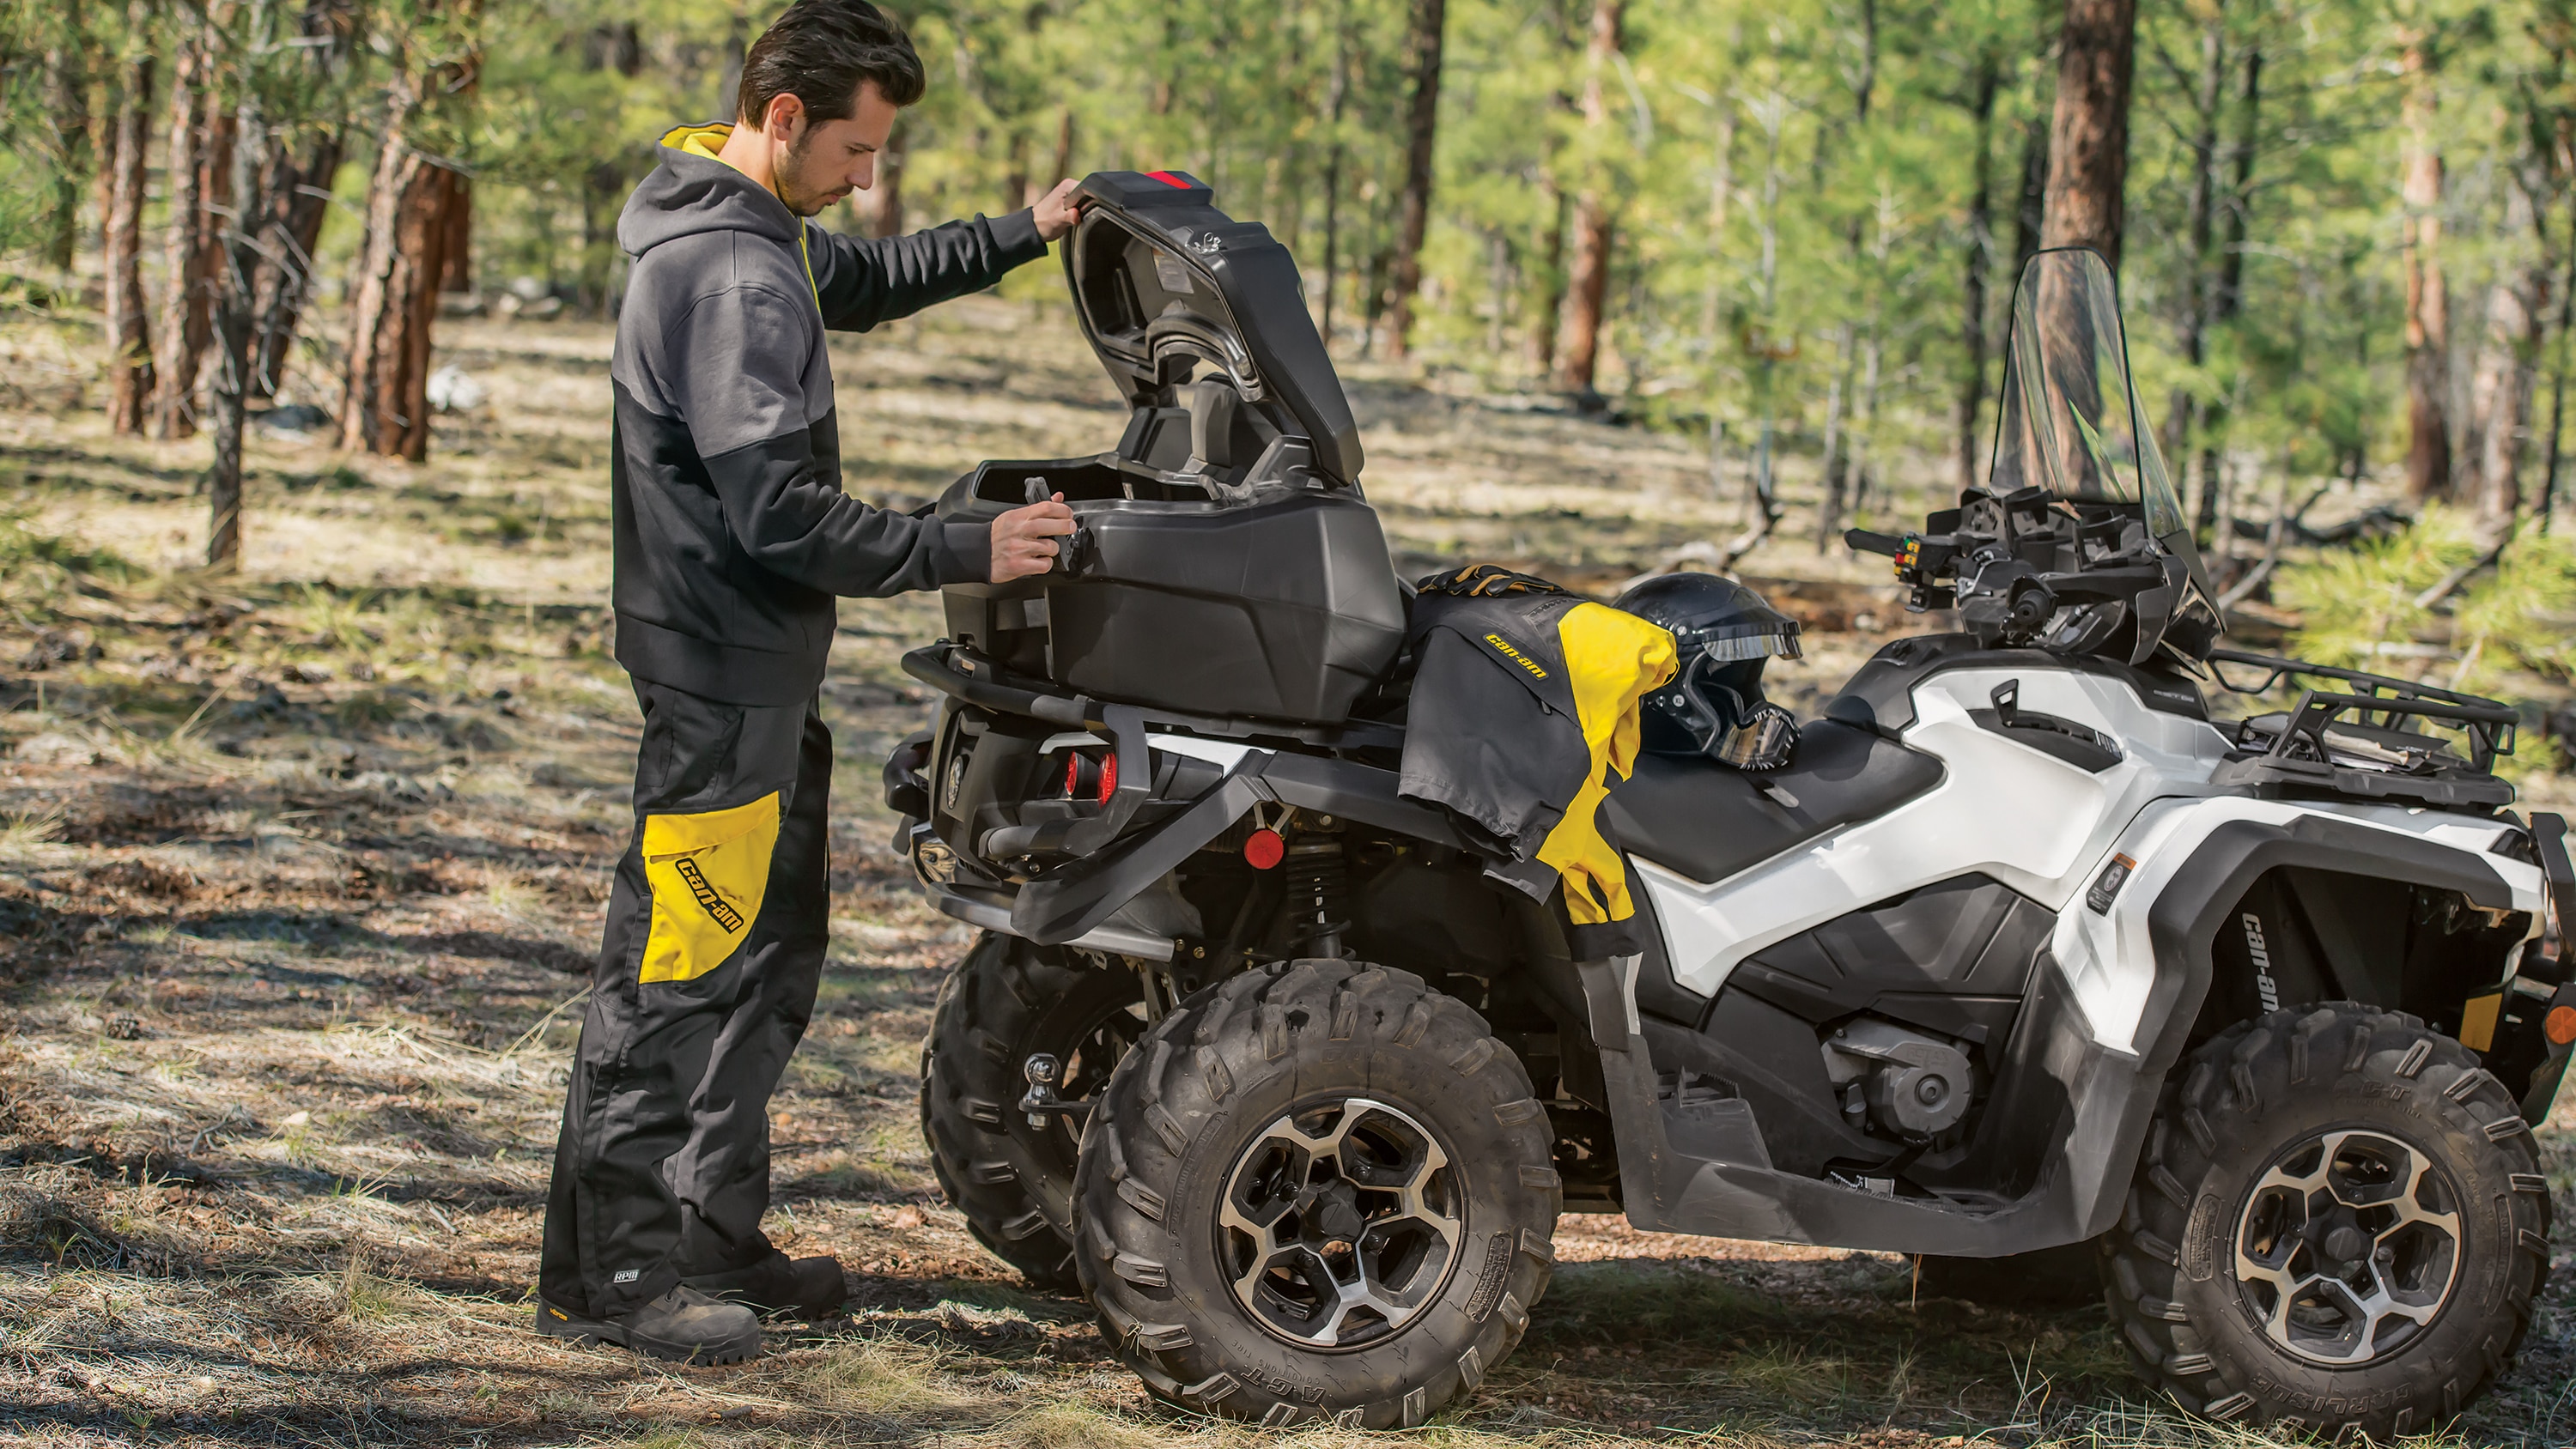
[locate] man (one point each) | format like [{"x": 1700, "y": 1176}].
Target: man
[{"x": 732, "y": 538}]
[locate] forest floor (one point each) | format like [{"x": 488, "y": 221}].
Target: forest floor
[{"x": 300, "y": 871}]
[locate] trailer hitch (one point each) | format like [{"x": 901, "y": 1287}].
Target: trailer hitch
[{"x": 1040, "y": 1102}]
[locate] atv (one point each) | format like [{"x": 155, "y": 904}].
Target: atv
[{"x": 2022, "y": 952}]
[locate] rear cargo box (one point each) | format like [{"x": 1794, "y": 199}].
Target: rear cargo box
[{"x": 1227, "y": 563}]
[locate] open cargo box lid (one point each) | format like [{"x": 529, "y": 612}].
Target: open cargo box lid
[{"x": 1162, "y": 279}]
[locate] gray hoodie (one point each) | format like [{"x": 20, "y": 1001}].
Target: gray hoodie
[{"x": 732, "y": 534}]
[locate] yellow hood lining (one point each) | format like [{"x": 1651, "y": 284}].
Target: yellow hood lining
[{"x": 708, "y": 141}]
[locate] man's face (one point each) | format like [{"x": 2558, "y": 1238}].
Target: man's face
[{"x": 827, "y": 160}]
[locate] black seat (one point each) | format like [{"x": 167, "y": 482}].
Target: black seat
[{"x": 1693, "y": 815}]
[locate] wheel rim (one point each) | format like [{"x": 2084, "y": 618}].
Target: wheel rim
[
  {"x": 2348, "y": 1247},
  {"x": 1340, "y": 1224},
  {"x": 1091, "y": 1056}
]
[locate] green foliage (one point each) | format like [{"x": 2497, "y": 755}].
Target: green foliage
[
  {"x": 2358, "y": 606},
  {"x": 1793, "y": 187},
  {"x": 39, "y": 571}
]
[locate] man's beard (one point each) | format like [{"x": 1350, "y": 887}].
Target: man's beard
[{"x": 798, "y": 200}]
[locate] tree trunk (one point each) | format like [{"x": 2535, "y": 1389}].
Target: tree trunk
[
  {"x": 2506, "y": 368},
  {"x": 1831, "y": 479},
  {"x": 1381, "y": 263},
  {"x": 2088, "y": 143},
  {"x": 67, "y": 73},
  {"x": 1588, "y": 288},
  {"x": 298, "y": 195},
  {"x": 1547, "y": 279},
  {"x": 2428, "y": 307},
  {"x": 1977, "y": 263},
  {"x": 410, "y": 224},
  {"x": 2199, "y": 282},
  {"x": 1421, "y": 127},
  {"x": 2227, "y": 298},
  {"x": 1015, "y": 174},
  {"x": 296, "y": 191},
  {"x": 1721, "y": 195},
  {"x": 1062, "y": 165},
  {"x": 1865, "y": 416},
  {"x": 880, "y": 207},
  {"x": 386, "y": 408},
  {"x": 185, "y": 268},
  {"x": 1578, "y": 357},
  {"x": 1772, "y": 114},
  {"x": 737, "y": 46},
  {"x": 2548, "y": 505},
  {"x": 236, "y": 306},
  {"x": 1336, "y": 97},
  {"x": 456, "y": 242},
  {"x": 129, "y": 341},
  {"x": 2032, "y": 208}
]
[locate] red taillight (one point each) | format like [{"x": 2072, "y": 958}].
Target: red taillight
[
  {"x": 1263, "y": 849},
  {"x": 1086, "y": 776}
]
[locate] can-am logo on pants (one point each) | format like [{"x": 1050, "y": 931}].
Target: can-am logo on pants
[
  {"x": 720, "y": 909},
  {"x": 2263, "y": 983}
]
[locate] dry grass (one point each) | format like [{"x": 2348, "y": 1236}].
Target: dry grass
[{"x": 300, "y": 870}]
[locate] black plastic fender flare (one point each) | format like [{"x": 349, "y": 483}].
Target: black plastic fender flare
[{"x": 2184, "y": 920}]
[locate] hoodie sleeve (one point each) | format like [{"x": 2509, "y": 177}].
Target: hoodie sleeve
[
  {"x": 777, "y": 476},
  {"x": 861, "y": 283}
]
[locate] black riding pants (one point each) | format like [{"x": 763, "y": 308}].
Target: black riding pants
[{"x": 706, "y": 978}]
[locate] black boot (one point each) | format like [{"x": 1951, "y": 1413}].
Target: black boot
[
  {"x": 682, "y": 1326},
  {"x": 805, "y": 1287}
]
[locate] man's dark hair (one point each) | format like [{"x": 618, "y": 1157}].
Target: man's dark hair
[{"x": 819, "y": 52}]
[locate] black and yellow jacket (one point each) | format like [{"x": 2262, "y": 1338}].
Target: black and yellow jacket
[
  {"x": 732, "y": 534},
  {"x": 1524, "y": 715}
]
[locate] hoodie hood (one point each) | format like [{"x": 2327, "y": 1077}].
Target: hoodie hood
[{"x": 692, "y": 191}]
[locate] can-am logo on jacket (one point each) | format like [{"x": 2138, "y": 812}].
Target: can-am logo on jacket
[{"x": 1514, "y": 655}]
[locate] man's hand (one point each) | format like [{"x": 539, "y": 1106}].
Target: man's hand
[
  {"x": 1055, "y": 212},
  {"x": 1024, "y": 539}
]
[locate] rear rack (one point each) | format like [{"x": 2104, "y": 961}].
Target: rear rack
[
  {"x": 2358, "y": 743},
  {"x": 964, "y": 674}
]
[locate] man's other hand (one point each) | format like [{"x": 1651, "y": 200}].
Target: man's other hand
[
  {"x": 1055, "y": 211},
  {"x": 1024, "y": 539}
]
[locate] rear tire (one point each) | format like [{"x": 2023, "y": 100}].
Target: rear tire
[
  {"x": 2339, "y": 1224},
  {"x": 1208, "y": 1227},
  {"x": 1014, "y": 1182}
]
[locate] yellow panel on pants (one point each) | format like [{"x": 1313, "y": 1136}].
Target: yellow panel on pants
[
  {"x": 708, "y": 873},
  {"x": 1612, "y": 660}
]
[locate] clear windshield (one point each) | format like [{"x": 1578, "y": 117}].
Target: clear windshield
[{"x": 2070, "y": 422}]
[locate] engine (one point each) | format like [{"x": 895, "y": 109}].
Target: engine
[{"x": 1898, "y": 1082}]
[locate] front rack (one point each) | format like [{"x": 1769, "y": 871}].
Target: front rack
[{"x": 2359, "y": 743}]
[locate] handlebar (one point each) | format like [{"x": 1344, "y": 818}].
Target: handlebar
[{"x": 1862, "y": 540}]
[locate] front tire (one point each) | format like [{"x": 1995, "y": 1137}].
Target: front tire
[
  {"x": 1006, "y": 1001},
  {"x": 2340, "y": 1224},
  {"x": 1319, "y": 1191}
]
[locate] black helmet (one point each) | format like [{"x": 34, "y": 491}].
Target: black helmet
[{"x": 1722, "y": 633}]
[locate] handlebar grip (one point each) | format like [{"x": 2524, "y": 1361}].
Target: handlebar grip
[{"x": 1862, "y": 540}]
